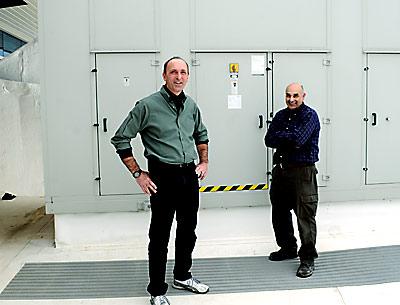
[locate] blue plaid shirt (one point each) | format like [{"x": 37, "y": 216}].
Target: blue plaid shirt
[{"x": 294, "y": 134}]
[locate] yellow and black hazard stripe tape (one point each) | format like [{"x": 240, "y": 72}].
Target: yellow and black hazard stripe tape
[{"x": 230, "y": 188}]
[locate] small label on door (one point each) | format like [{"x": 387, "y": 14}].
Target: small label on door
[
  {"x": 127, "y": 81},
  {"x": 234, "y": 87}
]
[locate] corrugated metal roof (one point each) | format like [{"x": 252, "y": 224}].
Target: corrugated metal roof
[
  {"x": 114, "y": 279},
  {"x": 20, "y": 21}
]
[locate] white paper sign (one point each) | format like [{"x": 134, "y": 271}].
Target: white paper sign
[
  {"x": 234, "y": 102},
  {"x": 257, "y": 64}
]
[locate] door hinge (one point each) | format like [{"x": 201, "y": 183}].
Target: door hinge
[
  {"x": 326, "y": 62},
  {"x": 366, "y": 68},
  {"x": 155, "y": 62},
  {"x": 365, "y": 169},
  {"x": 326, "y": 121},
  {"x": 97, "y": 179},
  {"x": 195, "y": 62},
  {"x": 365, "y": 119},
  {"x": 325, "y": 177},
  {"x": 94, "y": 70},
  {"x": 96, "y": 125}
]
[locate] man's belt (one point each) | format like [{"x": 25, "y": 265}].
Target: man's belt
[
  {"x": 163, "y": 165},
  {"x": 294, "y": 165}
]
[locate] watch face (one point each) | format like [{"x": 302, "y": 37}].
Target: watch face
[{"x": 137, "y": 174}]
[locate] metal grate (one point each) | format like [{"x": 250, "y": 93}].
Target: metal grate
[{"x": 113, "y": 279}]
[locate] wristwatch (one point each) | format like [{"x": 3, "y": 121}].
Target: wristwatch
[{"x": 136, "y": 174}]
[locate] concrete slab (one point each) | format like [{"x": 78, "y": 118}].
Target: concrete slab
[{"x": 230, "y": 232}]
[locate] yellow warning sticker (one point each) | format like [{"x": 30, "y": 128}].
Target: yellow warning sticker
[
  {"x": 231, "y": 188},
  {"x": 233, "y": 68}
]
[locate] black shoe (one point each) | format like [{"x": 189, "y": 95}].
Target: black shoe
[
  {"x": 306, "y": 269},
  {"x": 283, "y": 254},
  {"x": 8, "y": 196}
]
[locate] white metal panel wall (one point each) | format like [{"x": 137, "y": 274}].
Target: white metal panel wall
[
  {"x": 260, "y": 24},
  {"x": 122, "y": 25},
  {"x": 383, "y": 113},
  {"x": 66, "y": 98},
  {"x": 311, "y": 70},
  {"x": 67, "y": 85},
  {"x": 122, "y": 80},
  {"x": 382, "y": 23},
  {"x": 346, "y": 89},
  {"x": 236, "y": 148}
]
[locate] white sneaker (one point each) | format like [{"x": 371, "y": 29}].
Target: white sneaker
[
  {"x": 159, "y": 300},
  {"x": 192, "y": 285}
]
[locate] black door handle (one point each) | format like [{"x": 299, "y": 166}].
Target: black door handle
[
  {"x": 261, "y": 121},
  {"x": 374, "y": 121},
  {"x": 105, "y": 124}
]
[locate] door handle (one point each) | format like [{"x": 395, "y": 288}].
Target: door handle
[
  {"x": 105, "y": 124},
  {"x": 374, "y": 120},
  {"x": 260, "y": 121}
]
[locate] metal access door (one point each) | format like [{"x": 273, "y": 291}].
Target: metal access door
[
  {"x": 235, "y": 118},
  {"x": 311, "y": 70},
  {"x": 383, "y": 119},
  {"x": 122, "y": 79}
]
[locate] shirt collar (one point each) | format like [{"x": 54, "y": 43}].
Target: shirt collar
[{"x": 171, "y": 97}]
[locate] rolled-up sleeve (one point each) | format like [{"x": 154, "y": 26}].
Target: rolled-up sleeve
[
  {"x": 129, "y": 128},
  {"x": 200, "y": 134}
]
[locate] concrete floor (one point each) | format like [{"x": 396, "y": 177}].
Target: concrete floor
[{"x": 27, "y": 235}]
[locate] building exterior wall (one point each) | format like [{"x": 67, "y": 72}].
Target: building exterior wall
[
  {"x": 21, "y": 154},
  {"x": 21, "y": 163},
  {"x": 22, "y": 65},
  {"x": 344, "y": 30}
]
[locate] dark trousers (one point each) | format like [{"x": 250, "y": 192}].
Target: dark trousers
[
  {"x": 295, "y": 188},
  {"x": 177, "y": 192}
]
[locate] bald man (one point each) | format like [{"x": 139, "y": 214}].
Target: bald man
[{"x": 294, "y": 133}]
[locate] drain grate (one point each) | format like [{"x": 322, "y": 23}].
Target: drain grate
[{"x": 115, "y": 279}]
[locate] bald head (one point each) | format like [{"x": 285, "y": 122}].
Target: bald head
[{"x": 294, "y": 95}]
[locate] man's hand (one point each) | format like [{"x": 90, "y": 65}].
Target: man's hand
[
  {"x": 202, "y": 167},
  {"x": 202, "y": 170},
  {"x": 146, "y": 184}
]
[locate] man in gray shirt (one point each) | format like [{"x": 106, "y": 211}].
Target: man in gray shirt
[{"x": 173, "y": 135}]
